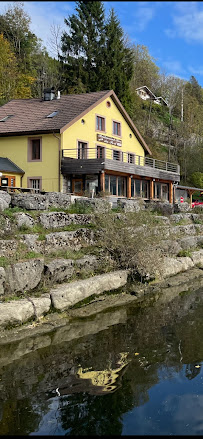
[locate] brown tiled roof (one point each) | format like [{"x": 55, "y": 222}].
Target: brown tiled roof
[{"x": 29, "y": 115}]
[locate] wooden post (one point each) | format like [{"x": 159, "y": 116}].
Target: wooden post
[
  {"x": 102, "y": 181},
  {"x": 191, "y": 192},
  {"x": 151, "y": 190},
  {"x": 128, "y": 187},
  {"x": 171, "y": 193}
]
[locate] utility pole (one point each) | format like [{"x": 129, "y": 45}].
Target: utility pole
[{"x": 182, "y": 105}]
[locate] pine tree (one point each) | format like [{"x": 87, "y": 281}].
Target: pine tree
[
  {"x": 82, "y": 46},
  {"x": 118, "y": 61},
  {"x": 194, "y": 89}
]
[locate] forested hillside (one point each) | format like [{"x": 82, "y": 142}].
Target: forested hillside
[{"x": 94, "y": 54}]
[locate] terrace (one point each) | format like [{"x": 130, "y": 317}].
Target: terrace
[{"x": 93, "y": 160}]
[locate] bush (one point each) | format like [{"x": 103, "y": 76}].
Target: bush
[{"x": 130, "y": 242}]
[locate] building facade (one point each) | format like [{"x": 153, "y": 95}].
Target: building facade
[{"x": 82, "y": 144}]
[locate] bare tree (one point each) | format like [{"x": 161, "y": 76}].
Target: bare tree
[{"x": 55, "y": 41}]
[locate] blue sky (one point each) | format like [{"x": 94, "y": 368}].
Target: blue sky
[{"x": 172, "y": 31}]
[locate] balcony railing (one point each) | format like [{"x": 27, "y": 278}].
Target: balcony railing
[{"x": 84, "y": 153}]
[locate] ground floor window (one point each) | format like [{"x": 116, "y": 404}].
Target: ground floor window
[
  {"x": 91, "y": 184},
  {"x": 139, "y": 188},
  {"x": 161, "y": 191},
  {"x": 115, "y": 185},
  {"x": 35, "y": 182}
]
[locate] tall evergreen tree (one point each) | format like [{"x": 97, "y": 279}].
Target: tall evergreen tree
[
  {"x": 81, "y": 47},
  {"x": 194, "y": 89},
  {"x": 118, "y": 61}
]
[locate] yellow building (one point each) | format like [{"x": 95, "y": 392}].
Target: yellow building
[{"x": 82, "y": 144}]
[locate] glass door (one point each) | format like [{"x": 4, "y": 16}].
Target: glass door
[{"x": 77, "y": 186}]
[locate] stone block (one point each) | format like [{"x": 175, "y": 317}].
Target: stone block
[
  {"x": 65, "y": 295},
  {"x": 58, "y": 270},
  {"x": 24, "y": 276}
]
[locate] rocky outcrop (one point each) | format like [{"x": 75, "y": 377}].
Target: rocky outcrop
[
  {"x": 67, "y": 295},
  {"x": 40, "y": 201},
  {"x": 54, "y": 220},
  {"x": 23, "y": 276},
  {"x": 58, "y": 240},
  {"x": 29, "y": 201},
  {"x": 58, "y": 270},
  {"x": 2, "y": 280},
  {"x": 24, "y": 219},
  {"x": 165, "y": 208},
  {"x": 99, "y": 205},
  {"x": 181, "y": 207},
  {"x": 131, "y": 205},
  {"x": 5, "y": 200},
  {"x": 87, "y": 263},
  {"x": 8, "y": 247},
  {"x": 172, "y": 266},
  {"x": 20, "y": 311}
]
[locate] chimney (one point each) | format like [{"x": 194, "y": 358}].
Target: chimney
[
  {"x": 58, "y": 95},
  {"x": 49, "y": 94}
]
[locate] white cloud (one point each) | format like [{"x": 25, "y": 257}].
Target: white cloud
[
  {"x": 187, "y": 21},
  {"x": 144, "y": 15},
  {"x": 196, "y": 71}
]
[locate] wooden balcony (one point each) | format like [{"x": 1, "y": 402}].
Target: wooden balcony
[{"x": 95, "y": 160}]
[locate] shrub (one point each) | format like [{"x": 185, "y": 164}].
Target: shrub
[{"x": 130, "y": 242}]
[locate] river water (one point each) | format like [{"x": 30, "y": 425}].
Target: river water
[{"x": 134, "y": 370}]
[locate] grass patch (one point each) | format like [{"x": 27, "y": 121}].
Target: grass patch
[
  {"x": 4, "y": 262},
  {"x": 183, "y": 222},
  {"x": 79, "y": 207},
  {"x": 184, "y": 253},
  {"x": 198, "y": 221},
  {"x": 65, "y": 254},
  {"x": 11, "y": 210},
  {"x": 83, "y": 302}
]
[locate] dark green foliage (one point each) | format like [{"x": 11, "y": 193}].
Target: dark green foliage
[
  {"x": 95, "y": 55},
  {"x": 82, "y": 46},
  {"x": 194, "y": 89},
  {"x": 118, "y": 61}
]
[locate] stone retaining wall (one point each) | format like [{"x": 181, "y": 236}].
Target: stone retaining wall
[{"x": 16, "y": 312}]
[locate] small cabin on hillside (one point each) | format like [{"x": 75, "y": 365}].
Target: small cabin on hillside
[
  {"x": 145, "y": 93},
  {"x": 81, "y": 144}
]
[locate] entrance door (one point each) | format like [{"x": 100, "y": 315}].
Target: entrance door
[
  {"x": 11, "y": 180},
  {"x": 77, "y": 186}
]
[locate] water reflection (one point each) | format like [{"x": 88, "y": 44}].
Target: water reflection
[{"x": 131, "y": 371}]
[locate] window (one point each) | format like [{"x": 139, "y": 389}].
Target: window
[
  {"x": 161, "y": 191},
  {"x": 35, "y": 182},
  {"x": 100, "y": 152},
  {"x": 6, "y": 118},
  {"x": 131, "y": 158},
  {"x": 116, "y": 128},
  {"x": 53, "y": 114},
  {"x": 115, "y": 185},
  {"x": 139, "y": 188},
  {"x": 100, "y": 123},
  {"x": 117, "y": 155},
  {"x": 35, "y": 149},
  {"x": 82, "y": 150}
]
